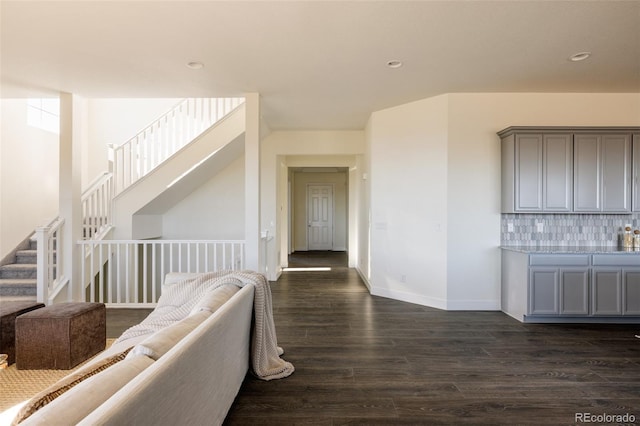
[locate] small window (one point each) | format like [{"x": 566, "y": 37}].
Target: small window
[{"x": 44, "y": 113}]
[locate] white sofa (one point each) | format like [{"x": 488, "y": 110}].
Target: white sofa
[{"x": 186, "y": 374}]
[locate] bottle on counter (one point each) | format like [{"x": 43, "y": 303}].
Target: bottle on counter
[
  {"x": 627, "y": 238},
  {"x": 636, "y": 240}
]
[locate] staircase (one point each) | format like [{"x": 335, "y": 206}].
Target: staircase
[
  {"x": 197, "y": 134},
  {"x": 18, "y": 280}
]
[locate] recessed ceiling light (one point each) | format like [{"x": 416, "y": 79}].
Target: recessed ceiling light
[
  {"x": 195, "y": 65},
  {"x": 579, "y": 56},
  {"x": 394, "y": 64}
]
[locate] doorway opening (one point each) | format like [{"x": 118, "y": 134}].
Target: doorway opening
[{"x": 318, "y": 208}]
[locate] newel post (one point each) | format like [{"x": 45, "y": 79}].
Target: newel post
[{"x": 42, "y": 263}]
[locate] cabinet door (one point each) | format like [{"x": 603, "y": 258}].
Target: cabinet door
[
  {"x": 528, "y": 173},
  {"x": 606, "y": 297},
  {"x": 631, "y": 292},
  {"x": 574, "y": 291},
  {"x": 557, "y": 173},
  {"x": 543, "y": 291},
  {"x": 635, "y": 189},
  {"x": 586, "y": 173},
  {"x": 602, "y": 173},
  {"x": 616, "y": 173}
]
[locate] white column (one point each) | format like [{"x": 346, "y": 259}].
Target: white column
[
  {"x": 252, "y": 182},
  {"x": 71, "y": 133}
]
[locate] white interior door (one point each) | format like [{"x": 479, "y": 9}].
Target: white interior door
[{"x": 320, "y": 217}]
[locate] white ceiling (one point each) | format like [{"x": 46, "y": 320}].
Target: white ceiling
[{"x": 318, "y": 64}]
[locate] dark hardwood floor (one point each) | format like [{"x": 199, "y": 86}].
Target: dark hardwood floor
[{"x": 368, "y": 360}]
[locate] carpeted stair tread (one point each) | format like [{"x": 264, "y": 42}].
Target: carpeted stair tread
[
  {"x": 17, "y": 280},
  {"x": 27, "y": 298},
  {"x": 26, "y": 256},
  {"x": 19, "y": 270},
  {"x": 17, "y": 287}
]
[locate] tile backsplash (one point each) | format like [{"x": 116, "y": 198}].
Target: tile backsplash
[{"x": 565, "y": 229}]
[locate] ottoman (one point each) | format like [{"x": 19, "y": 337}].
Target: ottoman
[
  {"x": 60, "y": 336},
  {"x": 8, "y": 312}
]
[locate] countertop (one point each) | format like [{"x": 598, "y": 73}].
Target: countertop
[{"x": 572, "y": 250}]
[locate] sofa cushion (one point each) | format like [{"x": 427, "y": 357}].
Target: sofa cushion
[
  {"x": 162, "y": 341},
  {"x": 74, "y": 405},
  {"x": 212, "y": 300}
]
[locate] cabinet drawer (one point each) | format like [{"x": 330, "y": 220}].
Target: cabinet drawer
[
  {"x": 559, "y": 260},
  {"x": 616, "y": 259}
]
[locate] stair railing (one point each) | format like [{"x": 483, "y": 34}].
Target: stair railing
[
  {"x": 96, "y": 207},
  {"x": 129, "y": 162},
  {"x": 50, "y": 274},
  {"x": 165, "y": 136}
]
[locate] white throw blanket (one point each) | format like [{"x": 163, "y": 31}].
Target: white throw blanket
[{"x": 177, "y": 301}]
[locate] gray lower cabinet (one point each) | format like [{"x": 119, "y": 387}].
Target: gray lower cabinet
[
  {"x": 606, "y": 298},
  {"x": 543, "y": 291},
  {"x": 559, "y": 291},
  {"x": 631, "y": 292},
  {"x": 571, "y": 287},
  {"x": 574, "y": 292},
  {"x": 616, "y": 291}
]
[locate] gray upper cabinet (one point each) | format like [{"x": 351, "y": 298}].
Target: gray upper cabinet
[
  {"x": 565, "y": 170},
  {"x": 557, "y": 172},
  {"x": 587, "y": 173},
  {"x": 602, "y": 173},
  {"x": 528, "y": 173},
  {"x": 537, "y": 173},
  {"x": 635, "y": 196}
]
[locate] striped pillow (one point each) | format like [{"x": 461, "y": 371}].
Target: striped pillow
[{"x": 51, "y": 393}]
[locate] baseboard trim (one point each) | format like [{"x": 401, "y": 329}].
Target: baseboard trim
[
  {"x": 473, "y": 305},
  {"x": 416, "y": 299}
]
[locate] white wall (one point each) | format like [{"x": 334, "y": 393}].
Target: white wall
[
  {"x": 28, "y": 176},
  {"x": 473, "y": 235},
  {"x": 114, "y": 121},
  {"x": 445, "y": 149},
  {"x": 340, "y": 197},
  {"x": 213, "y": 211},
  {"x": 136, "y": 197},
  {"x": 408, "y": 202}
]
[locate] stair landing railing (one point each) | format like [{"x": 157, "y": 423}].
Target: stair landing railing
[
  {"x": 165, "y": 136},
  {"x": 130, "y": 273}
]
